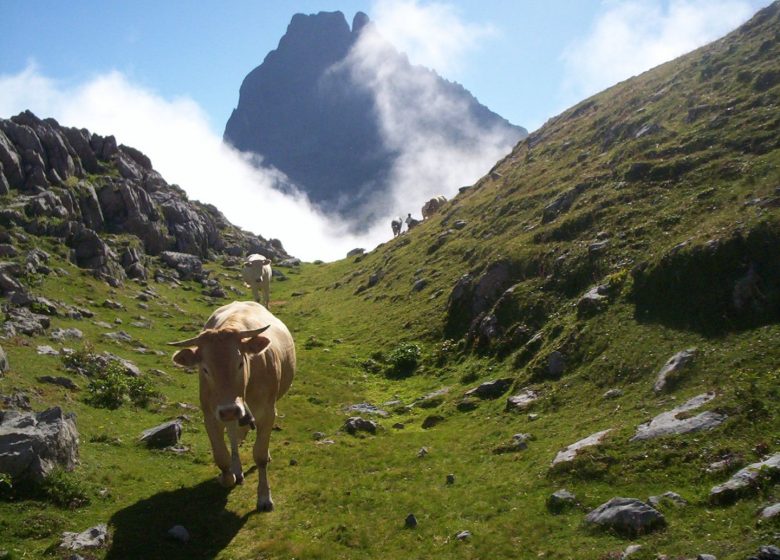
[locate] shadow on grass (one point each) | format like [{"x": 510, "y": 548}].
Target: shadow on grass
[{"x": 141, "y": 530}]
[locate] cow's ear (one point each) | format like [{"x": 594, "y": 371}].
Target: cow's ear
[
  {"x": 254, "y": 345},
  {"x": 186, "y": 357}
]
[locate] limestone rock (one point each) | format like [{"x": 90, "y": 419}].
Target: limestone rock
[
  {"x": 94, "y": 537},
  {"x": 491, "y": 389},
  {"x": 746, "y": 481},
  {"x": 522, "y": 401},
  {"x": 570, "y": 453},
  {"x": 668, "y": 497},
  {"x": 166, "y": 434},
  {"x": 366, "y": 408},
  {"x": 61, "y": 381},
  {"x": 770, "y": 512},
  {"x": 670, "y": 423},
  {"x": 357, "y": 424},
  {"x": 672, "y": 368},
  {"x": 31, "y": 444},
  {"x": 627, "y": 516},
  {"x": 561, "y": 500},
  {"x": 188, "y": 266}
]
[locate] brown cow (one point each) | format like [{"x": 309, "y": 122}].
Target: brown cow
[{"x": 242, "y": 375}]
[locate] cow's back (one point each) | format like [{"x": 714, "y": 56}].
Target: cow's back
[{"x": 248, "y": 315}]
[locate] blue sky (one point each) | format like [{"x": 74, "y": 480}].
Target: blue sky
[{"x": 164, "y": 76}]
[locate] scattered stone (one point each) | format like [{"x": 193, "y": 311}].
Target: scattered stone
[
  {"x": 431, "y": 421},
  {"x": 20, "y": 320},
  {"x": 46, "y": 351},
  {"x": 399, "y": 426},
  {"x": 561, "y": 500},
  {"x": 532, "y": 417},
  {"x": 593, "y": 301},
  {"x": 16, "y": 401},
  {"x": 630, "y": 549},
  {"x": 66, "y": 382},
  {"x": 450, "y": 479},
  {"x": 94, "y": 537},
  {"x": 356, "y": 252},
  {"x": 670, "y": 423},
  {"x": 357, "y": 424},
  {"x": 293, "y": 462},
  {"x": 31, "y": 444},
  {"x": 179, "y": 533},
  {"x": 366, "y": 408},
  {"x": 166, "y": 434},
  {"x": 612, "y": 394},
  {"x": 491, "y": 389},
  {"x": 668, "y": 497},
  {"x": 522, "y": 401},
  {"x": 3, "y": 361},
  {"x": 627, "y": 516},
  {"x": 463, "y": 535},
  {"x": 519, "y": 443},
  {"x": 746, "y": 481},
  {"x": 318, "y": 436},
  {"x": 410, "y": 522},
  {"x": 66, "y": 334},
  {"x": 670, "y": 372},
  {"x": 419, "y": 285},
  {"x": 724, "y": 464},
  {"x": 467, "y": 405},
  {"x": 706, "y": 557},
  {"x": 570, "y": 453},
  {"x": 422, "y": 452},
  {"x": 111, "y": 304},
  {"x": 769, "y": 552},
  {"x": 770, "y": 512},
  {"x": 433, "y": 399}
]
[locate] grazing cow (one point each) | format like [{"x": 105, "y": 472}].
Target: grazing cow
[
  {"x": 246, "y": 358},
  {"x": 410, "y": 222},
  {"x": 257, "y": 274},
  {"x": 432, "y": 206},
  {"x": 396, "y": 225}
]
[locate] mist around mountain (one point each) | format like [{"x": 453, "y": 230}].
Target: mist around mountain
[{"x": 364, "y": 133}]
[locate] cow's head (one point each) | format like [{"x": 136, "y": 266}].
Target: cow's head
[{"x": 222, "y": 358}]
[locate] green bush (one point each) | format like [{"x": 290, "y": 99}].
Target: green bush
[
  {"x": 65, "y": 489},
  {"x": 112, "y": 387},
  {"x": 403, "y": 360}
]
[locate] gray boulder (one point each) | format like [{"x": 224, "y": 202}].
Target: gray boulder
[
  {"x": 94, "y": 537},
  {"x": 746, "y": 481},
  {"x": 522, "y": 401},
  {"x": 671, "y": 369},
  {"x": 20, "y": 320},
  {"x": 769, "y": 552},
  {"x": 570, "y": 453},
  {"x": 770, "y": 512},
  {"x": 31, "y": 444},
  {"x": 669, "y": 498},
  {"x": 676, "y": 421},
  {"x": 357, "y": 424},
  {"x": 164, "y": 435},
  {"x": 16, "y": 401},
  {"x": 66, "y": 334},
  {"x": 593, "y": 301},
  {"x": 58, "y": 380},
  {"x": 561, "y": 500},
  {"x": 627, "y": 516},
  {"x": 3, "y": 361},
  {"x": 188, "y": 266},
  {"x": 491, "y": 389}
]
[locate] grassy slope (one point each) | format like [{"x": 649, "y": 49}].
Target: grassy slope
[{"x": 349, "y": 499}]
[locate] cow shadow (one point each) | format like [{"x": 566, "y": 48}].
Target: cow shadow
[{"x": 141, "y": 530}]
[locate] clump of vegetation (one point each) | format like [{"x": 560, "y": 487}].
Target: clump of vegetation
[
  {"x": 65, "y": 489},
  {"x": 403, "y": 360},
  {"x": 112, "y": 387}
]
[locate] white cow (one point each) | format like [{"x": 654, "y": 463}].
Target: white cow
[
  {"x": 257, "y": 274},
  {"x": 432, "y": 206},
  {"x": 242, "y": 375}
]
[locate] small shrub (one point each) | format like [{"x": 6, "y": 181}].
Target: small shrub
[
  {"x": 65, "y": 489},
  {"x": 403, "y": 360},
  {"x": 112, "y": 387}
]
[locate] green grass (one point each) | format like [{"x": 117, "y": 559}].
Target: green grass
[{"x": 692, "y": 181}]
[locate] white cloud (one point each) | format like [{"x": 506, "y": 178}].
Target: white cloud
[
  {"x": 176, "y": 136},
  {"x": 431, "y": 34},
  {"x": 631, "y": 36},
  {"x": 440, "y": 144}
]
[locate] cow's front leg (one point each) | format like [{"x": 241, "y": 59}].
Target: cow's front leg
[
  {"x": 235, "y": 435},
  {"x": 216, "y": 433},
  {"x": 262, "y": 458}
]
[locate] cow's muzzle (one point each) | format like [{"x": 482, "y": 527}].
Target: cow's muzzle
[{"x": 247, "y": 420}]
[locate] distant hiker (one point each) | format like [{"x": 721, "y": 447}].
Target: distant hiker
[
  {"x": 396, "y": 225},
  {"x": 411, "y": 222}
]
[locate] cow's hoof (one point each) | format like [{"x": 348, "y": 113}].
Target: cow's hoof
[
  {"x": 227, "y": 479},
  {"x": 265, "y": 506},
  {"x": 240, "y": 478}
]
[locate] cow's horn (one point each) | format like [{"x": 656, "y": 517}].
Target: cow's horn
[
  {"x": 253, "y": 332},
  {"x": 189, "y": 342}
]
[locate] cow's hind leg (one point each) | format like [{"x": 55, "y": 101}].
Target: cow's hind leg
[
  {"x": 216, "y": 433},
  {"x": 262, "y": 458}
]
